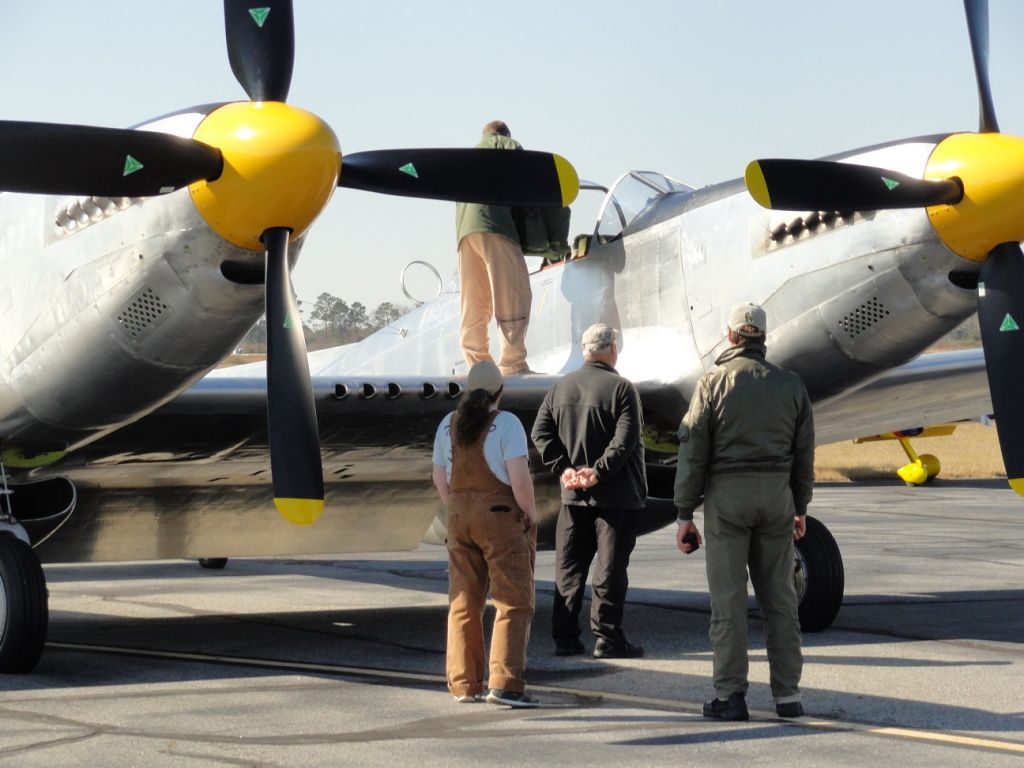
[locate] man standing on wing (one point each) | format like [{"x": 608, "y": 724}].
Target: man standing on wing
[{"x": 494, "y": 280}]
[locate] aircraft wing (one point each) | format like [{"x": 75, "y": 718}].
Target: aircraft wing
[
  {"x": 223, "y": 416},
  {"x": 192, "y": 478},
  {"x": 930, "y": 389},
  {"x": 353, "y": 411}
]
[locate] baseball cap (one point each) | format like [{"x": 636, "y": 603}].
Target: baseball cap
[
  {"x": 747, "y": 313},
  {"x": 598, "y": 338},
  {"x": 485, "y": 375}
]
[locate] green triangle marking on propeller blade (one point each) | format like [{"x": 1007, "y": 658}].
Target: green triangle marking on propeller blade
[
  {"x": 890, "y": 183},
  {"x": 410, "y": 169},
  {"x": 1009, "y": 324},
  {"x": 287, "y": 321},
  {"x": 259, "y": 15},
  {"x": 131, "y": 165}
]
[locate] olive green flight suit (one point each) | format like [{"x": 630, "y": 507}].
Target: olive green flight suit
[{"x": 747, "y": 447}]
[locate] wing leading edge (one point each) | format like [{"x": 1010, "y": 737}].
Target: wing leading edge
[{"x": 930, "y": 389}]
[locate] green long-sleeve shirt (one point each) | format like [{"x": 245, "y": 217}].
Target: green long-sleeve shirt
[{"x": 494, "y": 219}]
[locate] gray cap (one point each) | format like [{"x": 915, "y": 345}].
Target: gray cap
[
  {"x": 598, "y": 338},
  {"x": 746, "y": 313},
  {"x": 485, "y": 375}
]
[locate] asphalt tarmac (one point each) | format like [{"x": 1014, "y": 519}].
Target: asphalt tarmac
[{"x": 286, "y": 662}]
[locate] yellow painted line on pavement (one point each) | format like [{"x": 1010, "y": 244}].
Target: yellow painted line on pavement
[{"x": 762, "y": 717}]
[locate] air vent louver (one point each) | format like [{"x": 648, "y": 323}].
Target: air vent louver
[
  {"x": 140, "y": 314},
  {"x": 863, "y": 317}
]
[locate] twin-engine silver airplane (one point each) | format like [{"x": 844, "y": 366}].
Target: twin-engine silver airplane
[{"x": 877, "y": 253}]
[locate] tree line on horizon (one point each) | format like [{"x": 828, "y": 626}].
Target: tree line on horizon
[
  {"x": 333, "y": 321},
  {"x": 330, "y": 322}
]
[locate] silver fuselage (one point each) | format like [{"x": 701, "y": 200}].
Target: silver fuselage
[{"x": 845, "y": 299}]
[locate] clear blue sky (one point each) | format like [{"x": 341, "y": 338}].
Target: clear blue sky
[{"x": 693, "y": 89}]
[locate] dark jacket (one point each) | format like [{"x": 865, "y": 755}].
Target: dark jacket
[
  {"x": 746, "y": 415},
  {"x": 593, "y": 418}
]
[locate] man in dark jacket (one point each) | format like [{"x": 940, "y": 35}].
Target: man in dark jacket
[
  {"x": 588, "y": 432},
  {"x": 746, "y": 447}
]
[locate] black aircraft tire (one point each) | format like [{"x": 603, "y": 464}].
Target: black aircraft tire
[
  {"x": 213, "y": 563},
  {"x": 824, "y": 577},
  {"x": 23, "y": 606}
]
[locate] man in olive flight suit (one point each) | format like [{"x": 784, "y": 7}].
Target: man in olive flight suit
[{"x": 747, "y": 447}]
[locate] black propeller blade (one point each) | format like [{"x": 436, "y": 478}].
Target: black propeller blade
[
  {"x": 294, "y": 435},
  {"x": 54, "y": 159},
  {"x": 819, "y": 185},
  {"x": 520, "y": 177},
  {"x": 1001, "y": 316},
  {"x": 261, "y": 46},
  {"x": 977, "y": 27}
]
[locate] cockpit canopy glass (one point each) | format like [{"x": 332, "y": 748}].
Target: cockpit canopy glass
[{"x": 632, "y": 194}]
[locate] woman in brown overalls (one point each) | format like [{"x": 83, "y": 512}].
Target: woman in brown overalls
[{"x": 482, "y": 474}]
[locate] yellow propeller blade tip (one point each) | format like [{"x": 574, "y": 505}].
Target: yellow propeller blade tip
[
  {"x": 567, "y": 179},
  {"x": 300, "y": 511},
  {"x": 756, "y": 185},
  {"x": 1017, "y": 483}
]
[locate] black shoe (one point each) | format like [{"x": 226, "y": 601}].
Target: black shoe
[
  {"x": 568, "y": 646},
  {"x": 624, "y": 650},
  {"x": 790, "y": 709},
  {"x": 733, "y": 708}
]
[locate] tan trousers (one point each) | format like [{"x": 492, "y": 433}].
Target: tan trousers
[{"x": 494, "y": 282}]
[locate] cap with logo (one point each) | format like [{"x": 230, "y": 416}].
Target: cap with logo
[{"x": 748, "y": 314}]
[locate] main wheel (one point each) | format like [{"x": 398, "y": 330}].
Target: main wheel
[
  {"x": 819, "y": 577},
  {"x": 23, "y": 606},
  {"x": 213, "y": 563}
]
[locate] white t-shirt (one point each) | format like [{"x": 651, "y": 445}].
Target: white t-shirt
[{"x": 506, "y": 440}]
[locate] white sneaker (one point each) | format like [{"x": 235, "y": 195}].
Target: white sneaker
[{"x": 511, "y": 698}]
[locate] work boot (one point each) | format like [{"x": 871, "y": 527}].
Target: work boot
[
  {"x": 733, "y": 708},
  {"x": 605, "y": 649},
  {"x": 790, "y": 709},
  {"x": 568, "y": 646}
]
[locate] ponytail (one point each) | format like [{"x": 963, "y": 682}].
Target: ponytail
[{"x": 473, "y": 412}]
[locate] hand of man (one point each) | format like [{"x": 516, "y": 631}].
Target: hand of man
[
  {"x": 568, "y": 479},
  {"x": 586, "y": 478},
  {"x": 684, "y": 529},
  {"x": 799, "y": 527}
]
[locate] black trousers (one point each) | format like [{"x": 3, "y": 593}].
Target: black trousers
[{"x": 581, "y": 533}]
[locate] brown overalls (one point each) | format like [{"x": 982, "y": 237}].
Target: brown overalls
[{"x": 487, "y": 546}]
